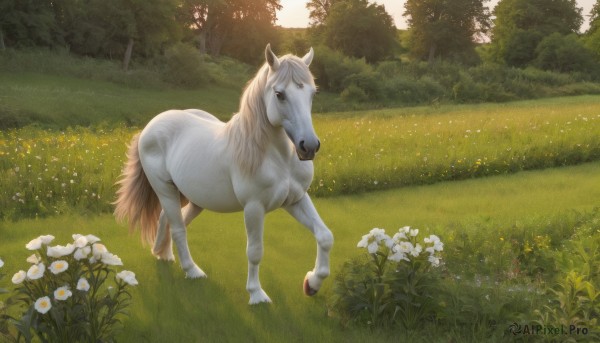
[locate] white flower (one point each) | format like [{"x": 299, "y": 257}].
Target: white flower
[
  {"x": 59, "y": 266},
  {"x": 434, "y": 261},
  {"x": 92, "y": 239},
  {"x": 1, "y": 263},
  {"x": 98, "y": 250},
  {"x": 60, "y": 251},
  {"x": 431, "y": 239},
  {"x": 82, "y": 253},
  {"x": 437, "y": 244},
  {"x": 43, "y": 305},
  {"x": 405, "y": 229},
  {"x": 414, "y": 232},
  {"x": 36, "y": 271},
  {"x": 404, "y": 247},
  {"x": 46, "y": 239},
  {"x": 80, "y": 241},
  {"x": 34, "y": 244},
  {"x": 62, "y": 293},
  {"x": 128, "y": 277},
  {"x": 33, "y": 259},
  {"x": 372, "y": 240},
  {"x": 19, "y": 277},
  {"x": 416, "y": 250},
  {"x": 83, "y": 285},
  {"x": 399, "y": 236},
  {"x": 398, "y": 255},
  {"x": 111, "y": 260}
]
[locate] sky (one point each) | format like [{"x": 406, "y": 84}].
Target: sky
[{"x": 295, "y": 14}]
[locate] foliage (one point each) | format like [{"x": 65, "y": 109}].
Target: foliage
[
  {"x": 238, "y": 28},
  {"x": 520, "y": 25},
  {"x": 478, "y": 295},
  {"x": 446, "y": 30},
  {"x": 574, "y": 302},
  {"x": 359, "y": 29},
  {"x": 64, "y": 296},
  {"x": 396, "y": 285},
  {"x": 390, "y": 149},
  {"x": 564, "y": 54},
  {"x": 185, "y": 67}
]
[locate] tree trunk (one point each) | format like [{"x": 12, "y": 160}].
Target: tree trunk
[
  {"x": 128, "y": 52},
  {"x": 2, "y": 46},
  {"x": 202, "y": 41},
  {"x": 432, "y": 49}
]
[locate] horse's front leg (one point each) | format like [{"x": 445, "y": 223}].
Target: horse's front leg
[
  {"x": 254, "y": 215},
  {"x": 304, "y": 211}
]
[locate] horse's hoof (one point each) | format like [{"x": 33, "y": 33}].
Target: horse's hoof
[
  {"x": 259, "y": 297},
  {"x": 307, "y": 289},
  {"x": 194, "y": 273}
]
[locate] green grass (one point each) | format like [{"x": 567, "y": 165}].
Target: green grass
[
  {"x": 62, "y": 101},
  {"x": 167, "y": 307},
  {"x": 46, "y": 172}
]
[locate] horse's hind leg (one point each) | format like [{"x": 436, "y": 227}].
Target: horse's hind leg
[{"x": 163, "y": 247}]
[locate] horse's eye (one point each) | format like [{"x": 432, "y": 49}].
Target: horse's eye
[{"x": 280, "y": 96}]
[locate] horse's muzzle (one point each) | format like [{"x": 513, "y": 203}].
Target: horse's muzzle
[{"x": 307, "y": 152}]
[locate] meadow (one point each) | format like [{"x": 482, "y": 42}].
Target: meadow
[
  {"x": 485, "y": 224},
  {"x": 512, "y": 190},
  {"x": 47, "y": 171}
]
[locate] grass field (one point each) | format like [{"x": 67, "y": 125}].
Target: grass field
[
  {"x": 168, "y": 307},
  {"x": 525, "y": 189},
  {"x": 47, "y": 172}
]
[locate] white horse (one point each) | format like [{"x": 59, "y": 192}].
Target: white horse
[{"x": 257, "y": 162}]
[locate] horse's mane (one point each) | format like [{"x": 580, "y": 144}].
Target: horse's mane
[{"x": 249, "y": 130}]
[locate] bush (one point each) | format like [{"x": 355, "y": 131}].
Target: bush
[
  {"x": 184, "y": 67},
  {"x": 64, "y": 293}
]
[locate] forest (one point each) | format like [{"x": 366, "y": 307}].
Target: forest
[{"x": 459, "y": 51}]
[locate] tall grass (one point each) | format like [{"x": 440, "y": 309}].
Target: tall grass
[
  {"x": 166, "y": 306},
  {"x": 44, "y": 172},
  {"x": 376, "y": 150}
]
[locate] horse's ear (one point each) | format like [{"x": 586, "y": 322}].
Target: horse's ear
[
  {"x": 309, "y": 56},
  {"x": 271, "y": 58}
]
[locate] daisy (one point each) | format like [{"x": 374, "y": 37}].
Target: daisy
[
  {"x": 128, "y": 277},
  {"x": 83, "y": 285},
  {"x": 58, "y": 267},
  {"x": 62, "y": 293},
  {"x": 19, "y": 277},
  {"x": 60, "y": 251},
  {"x": 111, "y": 260},
  {"x": 36, "y": 271},
  {"x": 43, "y": 305}
]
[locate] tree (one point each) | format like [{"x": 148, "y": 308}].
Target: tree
[
  {"x": 446, "y": 29},
  {"x": 28, "y": 23},
  {"x": 564, "y": 53},
  {"x": 359, "y": 29},
  {"x": 318, "y": 11},
  {"x": 240, "y": 28},
  {"x": 520, "y": 25},
  {"x": 592, "y": 36}
]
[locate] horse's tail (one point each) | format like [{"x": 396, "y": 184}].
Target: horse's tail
[{"x": 136, "y": 200}]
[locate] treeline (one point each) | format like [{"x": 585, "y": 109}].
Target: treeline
[
  {"x": 456, "y": 50},
  {"x": 122, "y": 29}
]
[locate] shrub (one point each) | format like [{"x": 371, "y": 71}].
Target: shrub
[
  {"x": 396, "y": 284},
  {"x": 64, "y": 293},
  {"x": 184, "y": 67}
]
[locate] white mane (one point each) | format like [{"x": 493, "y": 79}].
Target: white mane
[{"x": 249, "y": 129}]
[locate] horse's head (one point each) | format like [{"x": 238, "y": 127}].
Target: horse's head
[{"x": 288, "y": 99}]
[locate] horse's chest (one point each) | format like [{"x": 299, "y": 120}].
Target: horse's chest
[{"x": 285, "y": 186}]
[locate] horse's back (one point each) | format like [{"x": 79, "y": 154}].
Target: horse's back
[{"x": 189, "y": 149}]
